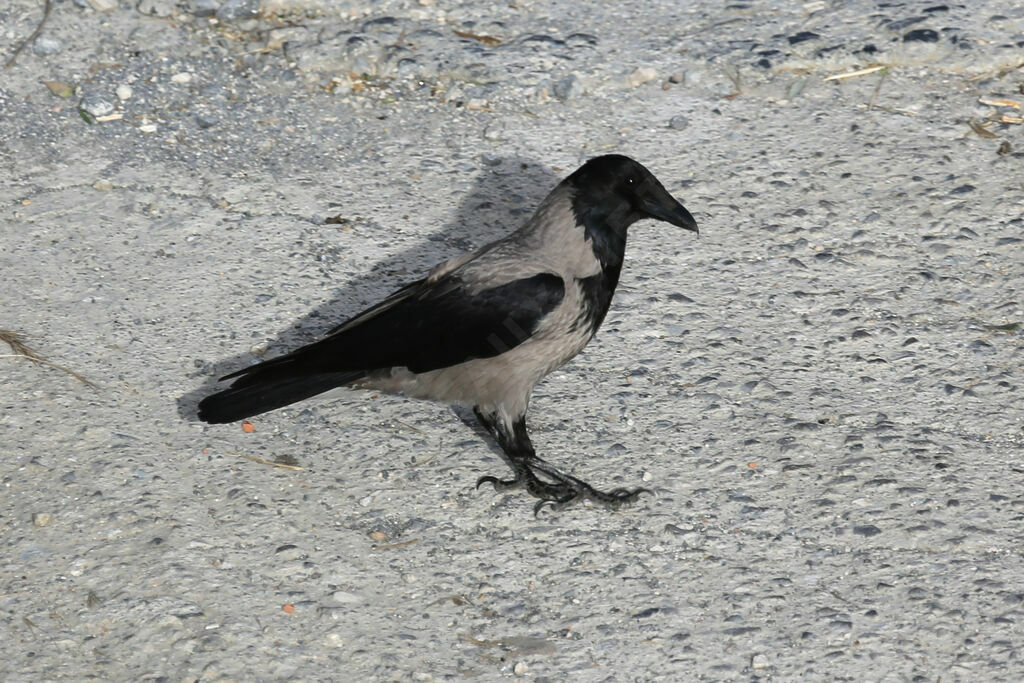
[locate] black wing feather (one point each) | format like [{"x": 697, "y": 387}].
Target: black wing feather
[
  {"x": 446, "y": 325},
  {"x": 424, "y": 326}
]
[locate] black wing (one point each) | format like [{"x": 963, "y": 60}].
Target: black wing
[{"x": 424, "y": 326}]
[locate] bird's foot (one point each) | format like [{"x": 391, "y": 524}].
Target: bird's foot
[
  {"x": 564, "y": 491},
  {"x": 583, "y": 491}
]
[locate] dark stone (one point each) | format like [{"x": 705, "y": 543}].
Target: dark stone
[
  {"x": 921, "y": 35},
  {"x": 802, "y": 36}
]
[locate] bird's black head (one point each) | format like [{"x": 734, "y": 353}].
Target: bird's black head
[
  {"x": 612, "y": 192},
  {"x": 621, "y": 191}
]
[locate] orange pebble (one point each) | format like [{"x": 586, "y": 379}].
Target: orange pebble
[
  {"x": 288, "y": 608},
  {"x": 248, "y": 427}
]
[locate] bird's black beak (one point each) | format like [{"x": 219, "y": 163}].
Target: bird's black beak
[{"x": 666, "y": 208}]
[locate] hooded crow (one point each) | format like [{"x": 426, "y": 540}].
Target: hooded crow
[{"x": 484, "y": 328}]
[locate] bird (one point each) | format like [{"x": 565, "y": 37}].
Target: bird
[{"x": 482, "y": 329}]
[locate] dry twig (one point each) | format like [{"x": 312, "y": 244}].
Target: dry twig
[
  {"x": 22, "y": 350},
  {"x": 32, "y": 37},
  {"x": 263, "y": 461}
]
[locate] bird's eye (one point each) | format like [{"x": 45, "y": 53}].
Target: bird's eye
[{"x": 631, "y": 180}]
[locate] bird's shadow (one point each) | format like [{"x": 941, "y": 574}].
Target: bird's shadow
[{"x": 504, "y": 195}]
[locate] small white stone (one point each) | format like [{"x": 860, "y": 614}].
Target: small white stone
[
  {"x": 495, "y": 130},
  {"x": 124, "y": 91},
  {"x": 183, "y": 77},
  {"x": 345, "y": 598},
  {"x": 42, "y": 519},
  {"x": 759, "y": 661},
  {"x": 641, "y": 76},
  {"x": 647, "y": 476},
  {"x": 519, "y": 669},
  {"x": 334, "y": 640}
]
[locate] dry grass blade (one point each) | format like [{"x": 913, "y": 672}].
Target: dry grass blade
[
  {"x": 999, "y": 102},
  {"x": 878, "y": 89},
  {"x": 392, "y": 546},
  {"x": 853, "y": 74},
  {"x": 14, "y": 340},
  {"x": 981, "y": 130},
  {"x": 490, "y": 41},
  {"x": 263, "y": 461},
  {"x": 22, "y": 350}
]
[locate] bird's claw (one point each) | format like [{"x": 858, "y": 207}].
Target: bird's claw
[{"x": 499, "y": 484}]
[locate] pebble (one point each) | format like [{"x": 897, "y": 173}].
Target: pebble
[
  {"x": 568, "y": 88},
  {"x": 495, "y": 130},
  {"x": 123, "y": 92},
  {"x": 678, "y": 122},
  {"x": 96, "y": 105},
  {"x": 156, "y": 8},
  {"x": 759, "y": 661},
  {"x": 183, "y": 77},
  {"x": 235, "y": 10},
  {"x": 103, "y": 5},
  {"x": 103, "y": 186},
  {"x": 345, "y": 598},
  {"x": 802, "y": 36},
  {"x": 921, "y": 35},
  {"x": 204, "y": 8},
  {"x": 519, "y": 669},
  {"x": 640, "y": 76},
  {"x": 205, "y": 120},
  {"x": 42, "y": 519},
  {"x": 45, "y": 45}
]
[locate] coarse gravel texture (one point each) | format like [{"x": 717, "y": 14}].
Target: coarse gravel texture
[{"x": 823, "y": 389}]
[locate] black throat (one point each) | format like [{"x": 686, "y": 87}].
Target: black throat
[{"x": 605, "y": 230}]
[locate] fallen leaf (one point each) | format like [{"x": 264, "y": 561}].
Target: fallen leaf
[{"x": 59, "y": 88}]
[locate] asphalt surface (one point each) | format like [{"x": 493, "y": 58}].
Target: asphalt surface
[{"x": 823, "y": 389}]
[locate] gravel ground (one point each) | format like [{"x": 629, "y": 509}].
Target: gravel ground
[{"x": 823, "y": 389}]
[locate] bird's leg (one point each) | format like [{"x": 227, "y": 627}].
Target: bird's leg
[
  {"x": 563, "y": 489},
  {"x": 515, "y": 453}
]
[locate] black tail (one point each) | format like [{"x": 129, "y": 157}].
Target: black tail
[{"x": 265, "y": 389}]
